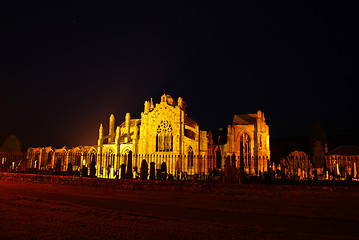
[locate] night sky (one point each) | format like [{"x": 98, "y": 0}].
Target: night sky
[{"x": 65, "y": 67}]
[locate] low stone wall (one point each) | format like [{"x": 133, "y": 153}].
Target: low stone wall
[
  {"x": 185, "y": 186},
  {"x": 121, "y": 184}
]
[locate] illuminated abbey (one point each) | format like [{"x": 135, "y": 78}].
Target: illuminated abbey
[{"x": 163, "y": 136}]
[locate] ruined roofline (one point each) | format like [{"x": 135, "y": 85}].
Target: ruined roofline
[{"x": 345, "y": 150}]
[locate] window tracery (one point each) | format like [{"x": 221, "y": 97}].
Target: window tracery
[
  {"x": 164, "y": 137},
  {"x": 245, "y": 150}
]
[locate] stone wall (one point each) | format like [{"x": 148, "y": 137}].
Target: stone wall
[{"x": 120, "y": 184}]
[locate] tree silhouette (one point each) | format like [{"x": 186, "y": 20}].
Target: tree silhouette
[
  {"x": 317, "y": 142},
  {"x": 11, "y": 144}
]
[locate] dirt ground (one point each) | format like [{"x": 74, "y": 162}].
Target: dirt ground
[{"x": 46, "y": 211}]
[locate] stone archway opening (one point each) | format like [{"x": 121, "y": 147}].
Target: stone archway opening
[
  {"x": 218, "y": 158},
  {"x": 37, "y": 159},
  {"x": 93, "y": 159},
  {"x": 245, "y": 151},
  {"x": 108, "y": 170},
  {"x": 58, "y": 166},
  {"x": 129, "y": 174}
]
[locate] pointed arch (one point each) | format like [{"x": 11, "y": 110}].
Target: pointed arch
[
  {"x": 129, "y": 164},
  {"x": 110, "y": 158},
  {"x": 37, "y": 159},
  {"x": 164, "y": 137},
  {"x": 127, "y": 156},
  {"x": 245, "y": 154},
  {"x": 60, "y": 158},
  {"x": 48, "y": 160},
  {"x": 75, "y": 155},
  {"x": 91, "y": 157}
]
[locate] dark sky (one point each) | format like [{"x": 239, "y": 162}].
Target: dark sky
[{"x": 65, "y": 67}]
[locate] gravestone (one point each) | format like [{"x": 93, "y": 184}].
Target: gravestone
[
  {"x": 144, "y": 170},
  {"x": 123, "y": 171},
  {"x": 152, "y": 171}
]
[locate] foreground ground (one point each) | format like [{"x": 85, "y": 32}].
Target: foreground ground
[{"x": 31, "y": 210}]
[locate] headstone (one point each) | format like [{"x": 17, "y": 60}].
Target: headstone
[
  {"x": 58, "y": 166},
  {"x": 159, "y": 174},
  {"x": 144, "y": 170},
  {"x": 123, "y": 171},
  {"x": 69, "y": 169},
  {"x": 163, "y": 171},
  {"x": 93, "y": 169},
  {"x": 228, "y": 170},
  {"x": 84, "y": 171},
  {"x": 129, "y": 165},
  {"x": 152, "y": 171}
]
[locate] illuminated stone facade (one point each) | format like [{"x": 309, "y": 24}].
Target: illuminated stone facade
[
  {"x": 45, "y": 158},
  {"x": 163, "y": 134},
  {"x": 248, "y": 140},
  {"x": 343, "y": 162}
]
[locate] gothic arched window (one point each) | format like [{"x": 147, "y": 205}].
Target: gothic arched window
[
  {"x": 245, "y": 149},
  {"x": 77, "y": 160},
  {"x": 164, "y": 137},
  {"x": 49, "y": 158},
  {"x": 110, "y": 158}
]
